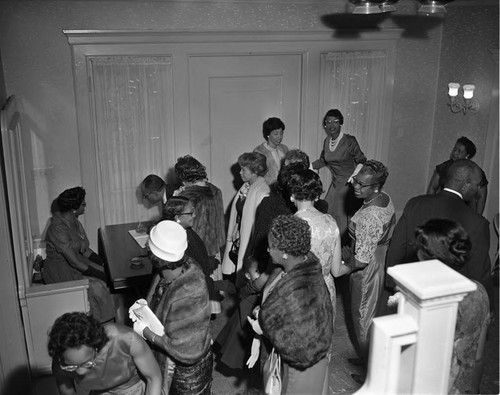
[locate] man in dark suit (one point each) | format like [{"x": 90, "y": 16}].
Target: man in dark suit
[
  {"x": 461, "y": 185},
  {"x": 156, "y": 191}
]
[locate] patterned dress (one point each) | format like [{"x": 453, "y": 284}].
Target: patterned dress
[
  {"x": 324, "y": 235},
  {"x": 370, "y": 230},
  {"x": 473, "y": 318}
]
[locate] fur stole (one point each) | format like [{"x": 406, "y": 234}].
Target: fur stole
[{"x": 297, "y": 316}]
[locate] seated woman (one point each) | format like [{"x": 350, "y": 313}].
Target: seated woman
[
  {"x": 105, "y": 359},
  {"x": 296, "y": 315},
  {"x": 370, "y": 230},
  {"x": 305, "y": 188},
  {"x": 181, "y": 210},
  {"x": 447, "y": 241},
  {"x": 272, "y": 130},
  {"x": 178, "y": 296},
  {"x": 463, "y": 149},
  {"x": 242, "y": 217},
  {"x": 209, "y": 221},
  {"x": 69, "y": 256}
]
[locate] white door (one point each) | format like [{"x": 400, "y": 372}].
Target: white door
[{"x": 229, "y": 98}]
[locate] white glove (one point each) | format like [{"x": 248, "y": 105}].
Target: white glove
[
  {"x": 138, "y": 303},
  {"x": 139, "y": 327},
  {"x": 255, "y": 353},
  {"x": 255, "y": 325},
  {"x": 394, "y": 299}
]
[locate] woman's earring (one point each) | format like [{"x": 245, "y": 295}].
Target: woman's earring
[
  {"x": 292, "y": 199},
  {"x": 285, "y": 256},
  {"x": 376, "y": 190}
]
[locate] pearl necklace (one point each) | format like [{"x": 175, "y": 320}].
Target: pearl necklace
[{"x": 371, "y": 200}]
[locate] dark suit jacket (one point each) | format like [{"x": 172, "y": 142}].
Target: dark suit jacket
[{"x": 447, "y": 205}]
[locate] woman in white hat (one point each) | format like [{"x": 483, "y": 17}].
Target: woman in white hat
[{"x": 179, "y": 297}]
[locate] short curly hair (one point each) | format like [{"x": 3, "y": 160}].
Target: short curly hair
[
  {"x": 153, "y": 183},
  {"x": 174, "y": 206},
  {"x": 291, "y": 235},
  {"x": 296, "y": 156},
  {"x": 189, "y": 169},
  {"x": 73, "y": 330},
  {"x": 334, "y": 113},
  {"x": 253, "y": 161},
  {"x": 305, "y": 185},
  {"x": 378, "y": 171},
  {"x": 71, "y": 199},
  {"x": 445, "y": 240},
  {"x": 470, "y": 147},
  {"x": 271, "y": 124}
]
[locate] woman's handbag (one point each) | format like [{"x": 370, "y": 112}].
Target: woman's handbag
[
  {"x": 233, "y": 253},
  {"x": 272, "y": 374}
]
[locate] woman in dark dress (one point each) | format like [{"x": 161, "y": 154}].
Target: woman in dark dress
[
  {"x": 342, "y": 155},
  {"x": 447, "y": 241},
  {"x": 463, "y": 149},
  {"x": 181, "y": 210},
  {"x": 103, "y": 359},
  {"x": 69, "y": 256}
]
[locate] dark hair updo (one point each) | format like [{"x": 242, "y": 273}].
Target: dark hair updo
[
  {"x": 334, "y": 113},
  {"x": 378, "y": 171},
  {"x": 291, "y": 234},
  {"x": 470, "y": 147},
  {"x": 189, "y": 169},
  {"x": 445, "y": 240},
  {"x": 174, "y": 206},
  {"x": 305, "y": 185},
  {"x": 253, "y": 161},
  {"x": 71, "y": 199},
  {"x": 271, "y": 124},
  {"x": 295, "y": 156},
  {"x": 74, "y": 330}
]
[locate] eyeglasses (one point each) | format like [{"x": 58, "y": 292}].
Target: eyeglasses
[
  {"x": 86, "y": 365},
  {"x": 360, "y": 184},
  {"x": 336, "y": 121}
]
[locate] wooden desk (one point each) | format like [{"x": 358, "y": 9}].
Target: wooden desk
[{"x": 118, "y": 247}]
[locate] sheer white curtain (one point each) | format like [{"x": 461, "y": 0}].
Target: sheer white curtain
[
  {"x": 355, "y": 83},
  {"x": 132, "y": 104}
]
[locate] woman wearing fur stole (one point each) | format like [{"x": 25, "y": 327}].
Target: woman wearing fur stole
[{"x": 295, "y": 316}]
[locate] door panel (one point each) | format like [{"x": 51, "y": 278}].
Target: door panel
[{"x": 229, "y": 98}]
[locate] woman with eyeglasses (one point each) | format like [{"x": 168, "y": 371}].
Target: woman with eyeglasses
[
  {"x": 342, "y": 155},
  {"x": 181, "y": 210},
  {"x": 370, "y": 231},
  {"x": 103, "y": 359},
  {"x": 69, "y": 256}
]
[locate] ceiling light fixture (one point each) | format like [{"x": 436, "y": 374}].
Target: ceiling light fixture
[{"x": 427, "y": 7}]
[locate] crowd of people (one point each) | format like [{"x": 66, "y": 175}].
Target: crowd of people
[{"x": 279, "y": 256}]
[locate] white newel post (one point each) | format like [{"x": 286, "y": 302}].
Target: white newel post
[{"x": 410, "y": 352}]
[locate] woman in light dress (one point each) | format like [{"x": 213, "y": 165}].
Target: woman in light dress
[{"x": 305, "y": 188}]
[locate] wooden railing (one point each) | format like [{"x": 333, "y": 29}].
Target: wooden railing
[{"x": 410, "y": 352}]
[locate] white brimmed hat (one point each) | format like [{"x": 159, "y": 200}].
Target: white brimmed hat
[{"x": 168, "y": 241}]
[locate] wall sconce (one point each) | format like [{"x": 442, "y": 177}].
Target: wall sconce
[{"x": 470, "y": 104}]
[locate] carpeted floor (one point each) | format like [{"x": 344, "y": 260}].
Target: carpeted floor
[{"x": 232, "y": 383}]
